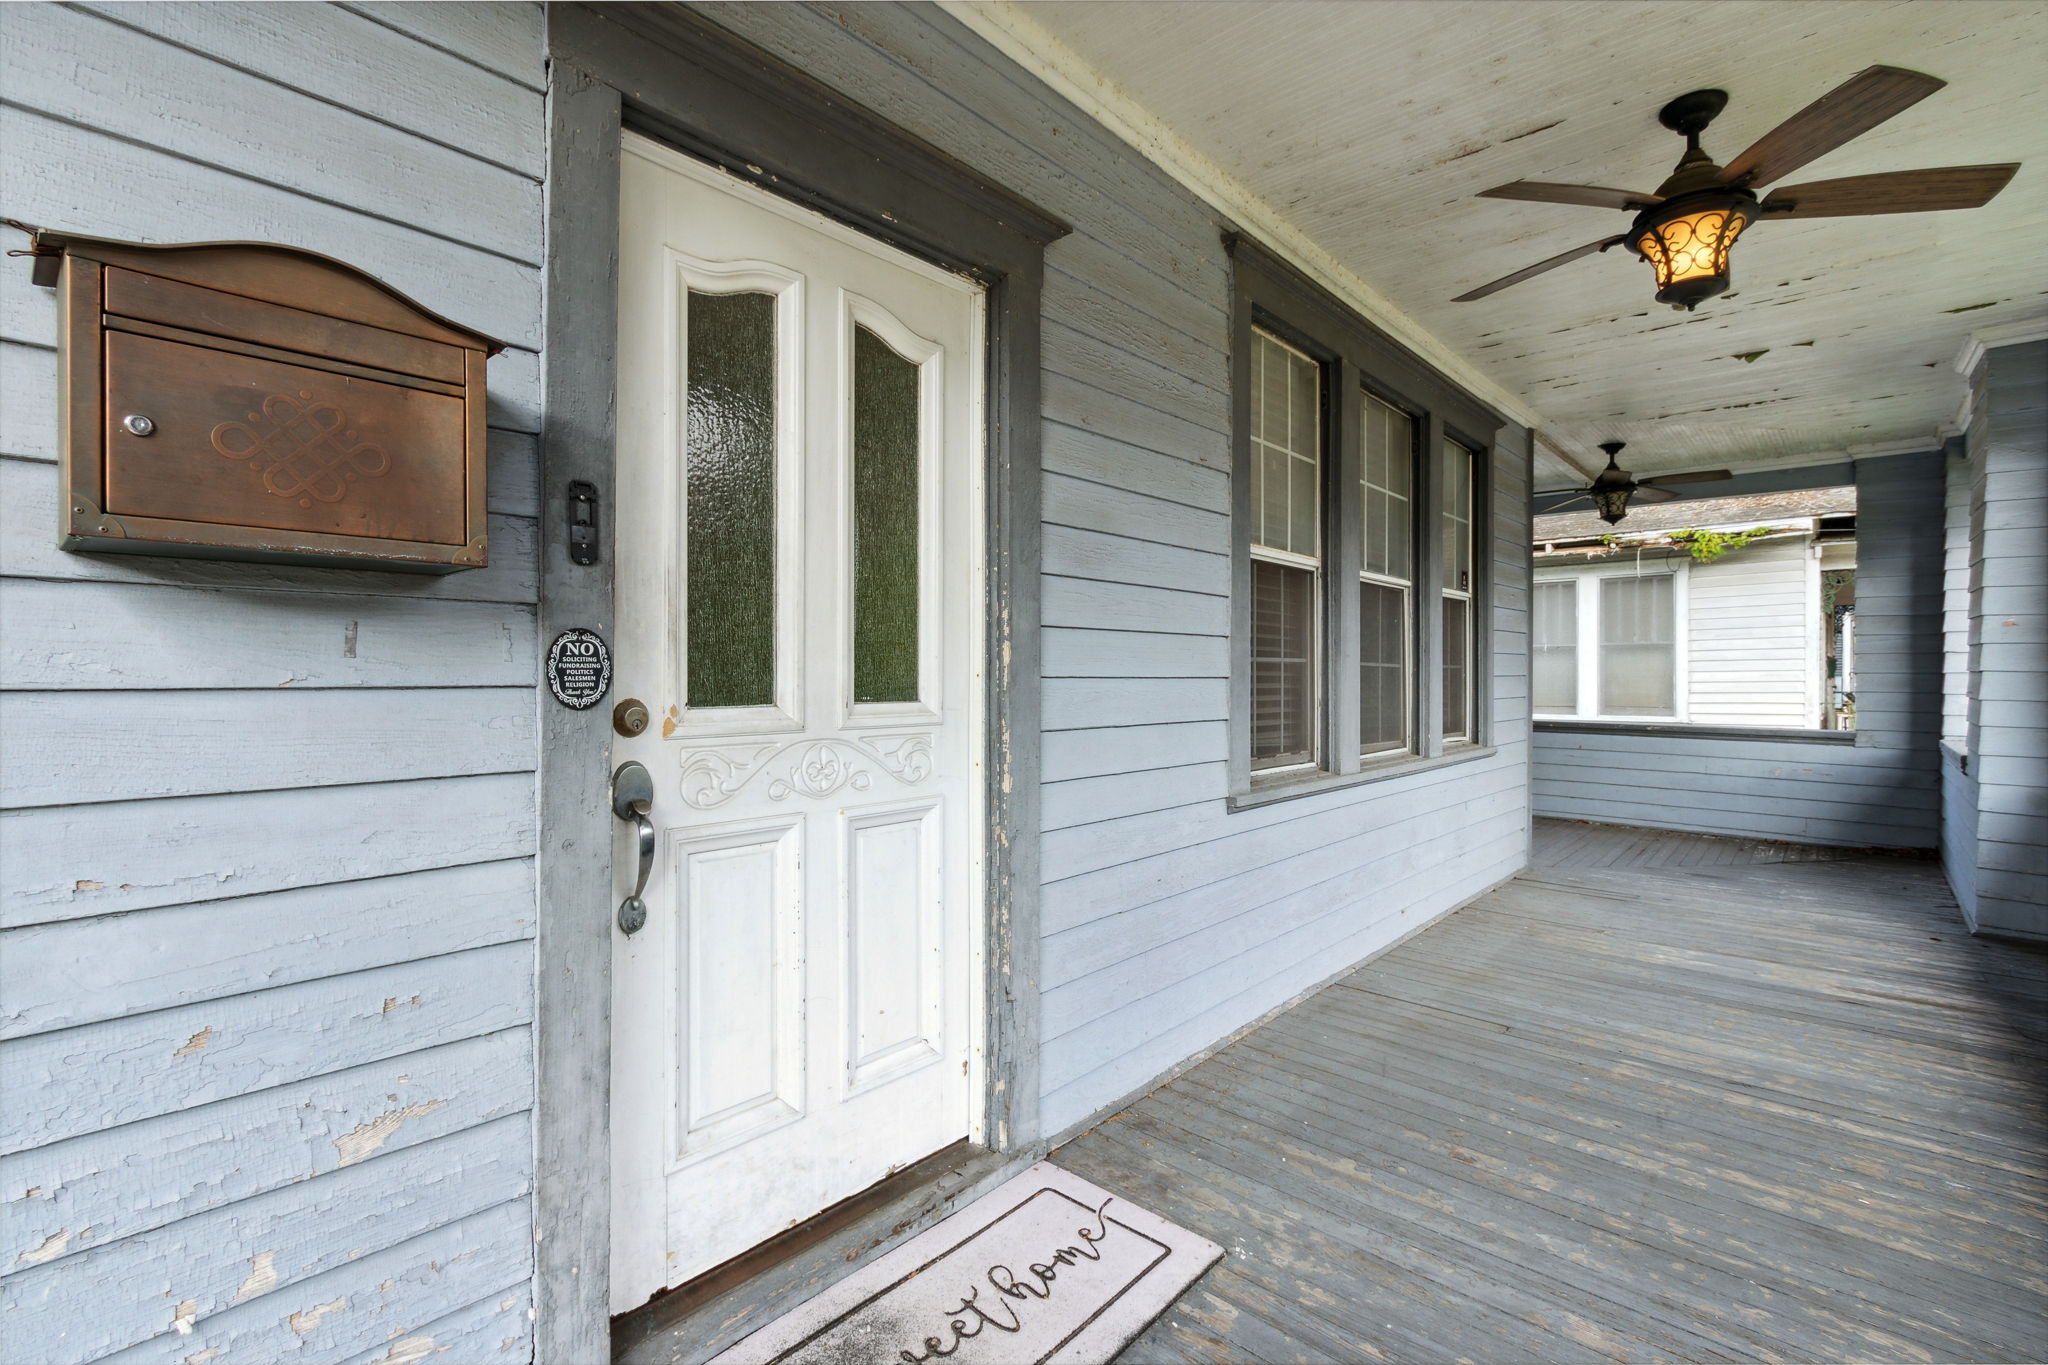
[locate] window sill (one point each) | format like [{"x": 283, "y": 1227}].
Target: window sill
[
  {"x": 1677, "y": 730},
  {"x": 1294, "y": 786}
]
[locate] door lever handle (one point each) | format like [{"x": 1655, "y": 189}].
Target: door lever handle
[{"x": 632, "y": 798}]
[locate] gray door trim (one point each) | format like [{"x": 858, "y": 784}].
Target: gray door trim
[{"x": 669, "y": 73}]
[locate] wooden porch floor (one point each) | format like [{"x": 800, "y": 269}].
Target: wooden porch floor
[{"x": 1662, "y": 1097}]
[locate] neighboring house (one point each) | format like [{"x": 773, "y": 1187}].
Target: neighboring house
[
  {"x": 1072, "y": 609},
  {"x": 1633, "y": 623}
]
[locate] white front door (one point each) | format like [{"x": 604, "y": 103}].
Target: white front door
[{"x": 799, "y": 597}]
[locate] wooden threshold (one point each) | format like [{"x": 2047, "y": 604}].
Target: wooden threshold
[{"x": 702, "y": 1316}]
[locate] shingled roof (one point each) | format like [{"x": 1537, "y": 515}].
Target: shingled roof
[{"x": 1687, "y": 512}]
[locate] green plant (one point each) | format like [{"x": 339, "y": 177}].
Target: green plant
[{"x": 1708, "y": 546}]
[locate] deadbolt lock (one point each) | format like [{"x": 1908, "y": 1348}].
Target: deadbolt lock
[{"x": 629, "y": 717}]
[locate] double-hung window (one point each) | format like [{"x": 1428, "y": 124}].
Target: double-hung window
[
  {"x": 1606, "y": 644},
  {"x": 1286, "y": 552},
  {"x": 1455, "y": 492},
  {"x": 1386, "y": 578},
  {"x": 1361, "y": 590}
]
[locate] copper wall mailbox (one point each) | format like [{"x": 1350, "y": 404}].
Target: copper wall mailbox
[{"x": 242, "y": 401}]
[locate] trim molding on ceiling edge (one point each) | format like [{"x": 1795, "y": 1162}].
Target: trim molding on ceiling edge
[
  {"x": 1033, "y": 47},
  {"x": 1971, "y": 354}
]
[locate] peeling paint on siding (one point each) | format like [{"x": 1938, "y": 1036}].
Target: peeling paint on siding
[
  {"x": 408, "y": 1351},
  {"x": 52, "y": 1247},
  {"x": 306, "y": 1322},
  {"x": 262, "y": 1276},
  {"x": 364, "y": 1139},
  {"x": 196, "y": 1043}
]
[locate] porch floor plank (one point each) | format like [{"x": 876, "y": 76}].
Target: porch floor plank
[{"x": 1665, "y": 1096}]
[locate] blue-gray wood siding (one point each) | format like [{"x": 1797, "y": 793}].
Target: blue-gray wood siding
[
  {"x": 1958, "y": 476},
  {"x": 1884, "y": 790},
  {"x": 1959, "y": 830},
  {"x": 265, "y": 970},
  {"x": 2008, "y": 714},
  {"x": 1169, "y": 921}
]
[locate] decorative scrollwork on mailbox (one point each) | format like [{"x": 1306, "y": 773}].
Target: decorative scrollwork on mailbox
[{"x": 305, "y": 451}]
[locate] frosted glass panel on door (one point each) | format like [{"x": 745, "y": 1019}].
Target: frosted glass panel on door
[
  {"x": 885, "y": 521},
  {"x": 1638, "y": 652},
  {"x": 729, "y": 461}
]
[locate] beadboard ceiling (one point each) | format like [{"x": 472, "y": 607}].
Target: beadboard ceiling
[{"x": 1370, "y": 124}]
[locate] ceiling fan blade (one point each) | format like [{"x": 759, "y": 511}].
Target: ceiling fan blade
[
  {"x": 1562, "y": 503},
  {"x": 1593, "y": 196},
  {"x": 1562, "y": 258},
  {"x": 1646, "y": 493},
  {"x": 1944, "y": 187},
  {"x": 1699, "y": 476},
  {"x": 1848, "y": 111}
]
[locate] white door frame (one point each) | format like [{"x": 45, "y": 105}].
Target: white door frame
[{"x": 699, "y": 88}]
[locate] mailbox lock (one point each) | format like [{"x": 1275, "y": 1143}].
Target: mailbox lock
[
  {"x": 135, "y": 424},
  {"x": 629, "y": 717}
]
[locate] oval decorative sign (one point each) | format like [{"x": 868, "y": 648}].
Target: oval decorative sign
[{"x": 579, "y": 669}]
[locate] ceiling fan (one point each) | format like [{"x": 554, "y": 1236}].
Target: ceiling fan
[
  {"x": 1612, "y": 488},
  {"x": 1685, "y": 229}
]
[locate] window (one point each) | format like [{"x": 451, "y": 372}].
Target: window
[
  {"x": 1287, "y": 505},
  {"x": 1638, "y": 646},
  {"x": 1554, "y": 649},
  {"x": 1605, "y": 645},
  {"x": 1359, "y": 621},
  {"x": 1456, "y": 538},
  {"x": 1386, "y": 576}
]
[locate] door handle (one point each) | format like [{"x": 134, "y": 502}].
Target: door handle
[{"x": 632, "y": 798}]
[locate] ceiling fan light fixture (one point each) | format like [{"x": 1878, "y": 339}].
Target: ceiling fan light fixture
[
  {"x": 1687, "y": 240},
  {"x": 1611, "y": 487},
  {"x": 1612, "y": 503}
]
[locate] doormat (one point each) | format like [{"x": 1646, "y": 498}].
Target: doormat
[{"x": 1046, "y": 1269}]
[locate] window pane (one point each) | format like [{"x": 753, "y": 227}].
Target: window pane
[
  {"x": 1286, "y": 425},
  {"x": 1638, "y": 658},
  {"x": 1382, "y": 667},
  {"x": 729, "y": 460},
  {"x": 1387, "y": 486},
  {"x": 885, "y": 521},
  {"x": 1457, "y": 672},
  {"x": 1283, "y": 652},
  {"x": 1554, "y": 667},
  {"x": 1457, "y": 534}
]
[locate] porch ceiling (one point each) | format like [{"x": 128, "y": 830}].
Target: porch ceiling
[{"x": 1370, "y": 124}]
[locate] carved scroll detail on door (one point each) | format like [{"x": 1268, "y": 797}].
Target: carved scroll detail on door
[{"x": 804, "y": 767}]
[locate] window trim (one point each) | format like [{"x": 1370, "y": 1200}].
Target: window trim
[
  {"x": 1358, "y": 358},
  {"x": 1468, "y": 594},
  {"x": 1410, "y": 623},
  {"x": 1585, "y": 580},
  {"x": 1317, "y": 566}
]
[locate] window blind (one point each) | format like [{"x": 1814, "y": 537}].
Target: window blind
[
  {"x": 1638, "y": 652},
  {"x": 1554, "y": 662}
]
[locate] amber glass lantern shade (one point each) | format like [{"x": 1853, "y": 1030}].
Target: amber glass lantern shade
[{"x": 1686, "y": 241}]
